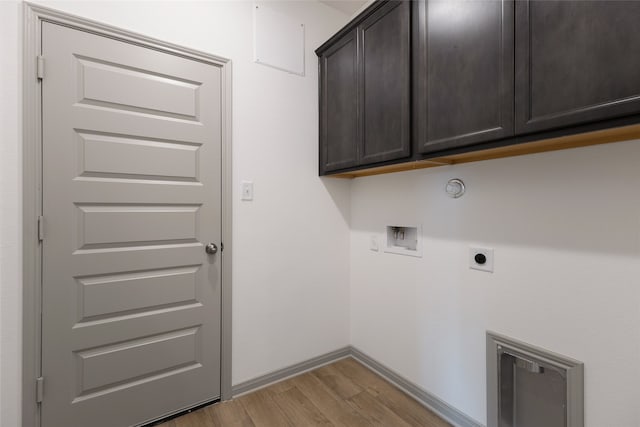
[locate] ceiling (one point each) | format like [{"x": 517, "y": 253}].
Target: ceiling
[{"x": 346, "y": 6}]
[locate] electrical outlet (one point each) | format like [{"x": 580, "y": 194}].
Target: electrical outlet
[{"x": 481, "y": 259}]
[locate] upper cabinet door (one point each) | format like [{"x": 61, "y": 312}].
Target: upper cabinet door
[
  {"x": 385, "y": 47},
  {"x": 576, "y": 62},
  {"x": 339, "y": 130},
  {"x": 463, "y": 72}
]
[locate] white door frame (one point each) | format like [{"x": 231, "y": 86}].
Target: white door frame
[{"x": 34, "y": 15}]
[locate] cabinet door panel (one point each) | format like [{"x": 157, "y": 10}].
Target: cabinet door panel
[
  {"x": 576, "y": 61},
  {"x": 339, "y": 131},
  {"x": 385, "y": 40},
  {"x": 463, "y": 72}
]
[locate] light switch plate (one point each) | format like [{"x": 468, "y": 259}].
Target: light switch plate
[
  {"x": 373, "y": 243},
  {"x": 247, "y": 190},
  {"x": 488, "y": 255}
]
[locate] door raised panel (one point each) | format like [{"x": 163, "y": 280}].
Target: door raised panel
[
  {"x": 126, "y": 293},
  {"x": 101, "y": 370},
  {"x": 463, "y": 69},
  {"x": 103, "y": 226},
  {"x": 118, "y": 156},
  {"x": 339, "y": 105},
  {"x": 385, "y": 40},
  {"x": 120, "y": 86},
  {"x": 576, "y": 62}
]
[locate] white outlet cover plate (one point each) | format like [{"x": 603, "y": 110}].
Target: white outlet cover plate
[{"x": 487, "y": 252}]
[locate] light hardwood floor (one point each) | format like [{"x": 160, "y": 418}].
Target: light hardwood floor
[{"x": 344, "y": 393}]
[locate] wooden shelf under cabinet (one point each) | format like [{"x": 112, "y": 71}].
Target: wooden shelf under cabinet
[{"x": 605, "y": 136}]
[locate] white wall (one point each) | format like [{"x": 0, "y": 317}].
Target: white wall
[
  {"x": 565, "y": 227},
  {"x": 291, "y": 254}
]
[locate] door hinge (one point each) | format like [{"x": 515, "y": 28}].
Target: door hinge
[
  {"x": 39, "y": 389},
  {"x": 40, "y": 67},
  {"x": 40, "y": 228},
  {"x": 221, "y": 246}
]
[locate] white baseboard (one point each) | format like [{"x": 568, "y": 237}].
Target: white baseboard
[{"x": 284, "y": 373}]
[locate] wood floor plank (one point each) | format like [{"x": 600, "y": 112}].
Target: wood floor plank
[
  {"x": 377, "y": 414},
  {"x": 409, "y": 409},
  {"x": 361, "y": 375},
  {"x": 230, "y": 413},
  {"x": 282, "y": 386},
  {"x": 339, "y": 412},
  {"x": 197, "y": 418},
  {"x": 262, "y": 409},
  {"x": 405, "y": 406},
  {"x": 336, "y": 381},
  {"x": 299, "y": 409},
  {"x": 342, "y": 394}
]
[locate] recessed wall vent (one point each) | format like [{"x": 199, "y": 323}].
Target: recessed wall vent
[{"x": 531, "y": 387}]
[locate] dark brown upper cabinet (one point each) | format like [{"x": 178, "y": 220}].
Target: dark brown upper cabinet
[
  {"x": 365, "y": 90},
  {"x": 576, "y": 62},
  {"x": 408, "y": 85},
  {"x": 339, "y": 129},
  {"x": 385, "y": 84},
  {"x": 463, "y": 73}
]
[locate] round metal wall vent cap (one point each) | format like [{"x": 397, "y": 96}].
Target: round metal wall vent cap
[{"x": 455, "y": 188}]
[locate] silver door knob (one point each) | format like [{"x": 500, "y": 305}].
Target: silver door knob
[{"x": 211, "y": 248}]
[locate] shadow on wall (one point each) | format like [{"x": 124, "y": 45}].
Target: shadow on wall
[{"x": 583, "y": 199}]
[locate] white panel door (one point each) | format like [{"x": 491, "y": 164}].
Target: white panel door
[{"x": 131, "y": 196}]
